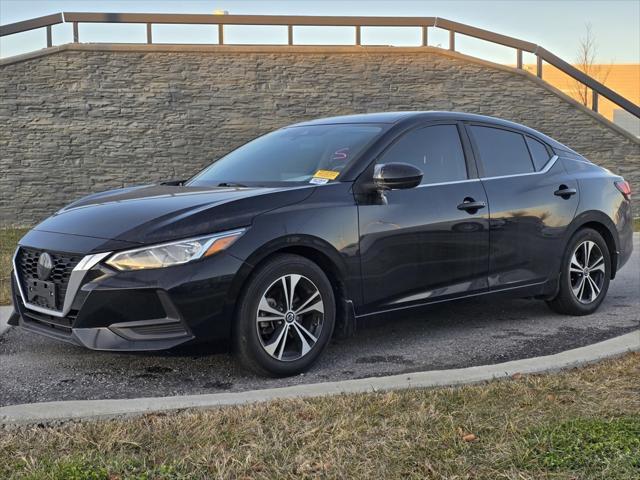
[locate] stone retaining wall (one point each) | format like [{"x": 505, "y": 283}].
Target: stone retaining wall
[{"x": 88, "y": 118}]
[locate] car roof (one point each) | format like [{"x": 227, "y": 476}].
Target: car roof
[
  {"x": 392, "y": 118},
  {"x": 380, "y": 117}
]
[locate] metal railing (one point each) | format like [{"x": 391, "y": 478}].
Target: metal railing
[{"x": 290, "y": 22}]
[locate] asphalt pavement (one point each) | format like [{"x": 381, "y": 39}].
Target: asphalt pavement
[{"x": 459, "y": 334}]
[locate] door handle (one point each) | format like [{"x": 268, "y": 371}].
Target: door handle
[
  {"x": 471, "y": 206},
  {"x": 565, "y": 192}
]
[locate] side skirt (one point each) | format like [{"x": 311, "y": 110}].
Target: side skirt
[{"x": 529, "y": 290}]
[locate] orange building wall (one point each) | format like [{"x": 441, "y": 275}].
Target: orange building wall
[{"x": 623, "y": 78}]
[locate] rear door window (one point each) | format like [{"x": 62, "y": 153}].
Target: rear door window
[
  {"x": 502, "y": 152},
  {"x": 436, "y": 150},
  {"x": 539, "y": 153}
]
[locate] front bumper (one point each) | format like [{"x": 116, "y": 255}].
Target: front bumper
[
  {"x": 141, "y": 310},
  {"x": 136, "y": 335}
]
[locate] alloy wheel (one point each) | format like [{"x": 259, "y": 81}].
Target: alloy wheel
[
  {"x": 289, "y": 317},
  {"x": 587, "y": 272}
]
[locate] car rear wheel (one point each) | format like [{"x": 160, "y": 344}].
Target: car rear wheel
[
  {"x": 285, "y": 317},
  {"x": 585, "y": 275}
]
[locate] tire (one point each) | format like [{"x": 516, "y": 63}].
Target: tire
[
  {"x": 583, "y": 287},
  {"x": 273, "y": 336}
]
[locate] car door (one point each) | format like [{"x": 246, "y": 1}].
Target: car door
[
  {"x": 532, "y": 200},
  {"x": 429, "y": 242}
]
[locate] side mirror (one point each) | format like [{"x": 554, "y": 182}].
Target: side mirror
[{"x": 393, "y": 176}]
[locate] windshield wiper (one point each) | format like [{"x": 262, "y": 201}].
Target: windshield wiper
[{"x": 231, "y": 184}]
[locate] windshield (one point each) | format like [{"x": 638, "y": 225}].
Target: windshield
[{"x": 316, "y": 154}]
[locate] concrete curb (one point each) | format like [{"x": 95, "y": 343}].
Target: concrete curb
[
  {"x": 5, "y": 312},
  {"x": 101, "y": 409}
]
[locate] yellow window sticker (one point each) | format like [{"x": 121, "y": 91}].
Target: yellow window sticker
[{"x": 328, "y": 174}]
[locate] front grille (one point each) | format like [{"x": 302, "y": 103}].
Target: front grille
[{"x": 63, "y": 265}]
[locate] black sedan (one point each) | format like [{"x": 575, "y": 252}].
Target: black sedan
[{"x": 303, "y": 231}]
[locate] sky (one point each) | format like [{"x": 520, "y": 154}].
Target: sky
[{"x": 557, "y": 25}]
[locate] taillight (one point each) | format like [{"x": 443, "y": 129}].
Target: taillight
[{"x": 625, "y": 188}]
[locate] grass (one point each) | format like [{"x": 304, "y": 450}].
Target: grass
[
  {"x": 583, "y": 423},
  {"x": 588, "y": 443},
  {"x": 9, "y": 238}
]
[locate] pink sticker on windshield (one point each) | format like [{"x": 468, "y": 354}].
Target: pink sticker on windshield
[{"x": 341, "y": 154}]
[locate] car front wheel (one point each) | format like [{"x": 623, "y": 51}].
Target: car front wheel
[
  {"x": 585, "y": 275},
  {"x": 285, "y": 317}
]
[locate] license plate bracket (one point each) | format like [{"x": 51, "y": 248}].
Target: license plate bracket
[{"x": 42, "y": 293}]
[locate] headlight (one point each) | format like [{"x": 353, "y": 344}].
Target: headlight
[{"x": 174, "y": 253}]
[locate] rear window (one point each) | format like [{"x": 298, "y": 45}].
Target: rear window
[
  {"x": 539, "y": 153},
  {"x": 502, "y": 152}
]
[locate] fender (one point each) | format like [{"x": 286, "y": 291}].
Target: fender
[
  {"x": 291, "y": 241},
  {"x": 320, "y": 251},
  {"x": 596, "y": 216}
]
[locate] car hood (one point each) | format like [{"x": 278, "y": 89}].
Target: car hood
[{"x": 157, "y": 213}]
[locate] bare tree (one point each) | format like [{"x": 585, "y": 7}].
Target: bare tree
[{"x": 586, "y": 62}]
